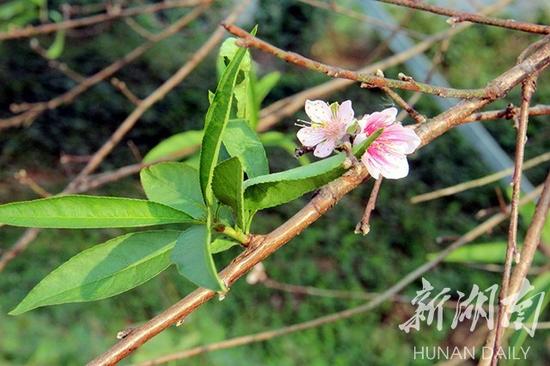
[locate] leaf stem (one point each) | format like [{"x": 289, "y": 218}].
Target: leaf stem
[{"x": 233, "y": 233}]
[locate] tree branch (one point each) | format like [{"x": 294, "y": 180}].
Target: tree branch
[
  {"x": 31, "y": 31},
  {"x": 366, "y": 80},
  {"x": 460, "y": 16}
]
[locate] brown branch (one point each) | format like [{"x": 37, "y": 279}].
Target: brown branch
[
  {"x": 363, "y": 227},
  {"x": 33, "y": 110},
  {"x": 528, "y": 89},
  {"x": 362, "y": 17},
  {"x": 31, "y": 31},
  {"x": 123, "y": 88},
  {"x": 461, "y": 16},
  {"x": 263, "y": 246},
  {"x": 475, "y": 183},
  {"x": 418, "y": 118},
  {"x": 507, "y": 113},
  {"x": 367, "y": 80},
  {"x": 285, "y": 107},
  {"x": 389, "y": 294},
  {"x": 24, "y": 179}
]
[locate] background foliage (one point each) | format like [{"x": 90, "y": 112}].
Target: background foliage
[{"x": 328, "y": 255}]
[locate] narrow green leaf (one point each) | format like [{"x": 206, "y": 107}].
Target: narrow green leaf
[
  {"x": 175, "y": 185},
  {"x": 228, "y": 187},
  {"x": 489, "y": 253},
  {"x": 541, "y": 286},
  {"x": 241, "y": 91},
  {"x": 193, "y": 258},
  {"x": 215, "y": 123},
  {"x": 56, "y": 48},
  {"x": 242, "y": 142},
  {"x": 175, "y": 146},
  {"x": 221, "y": 245},
  {"x": 278, "y": 188},
  {"x": 104, "y": 270},
  {"x": 87, "y": 212},
  {"x": 265, "y": 85}
]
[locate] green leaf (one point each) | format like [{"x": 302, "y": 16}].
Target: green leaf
[
  {"x": 56, "y": 49},
  {"x": 541, "y": 284},
  {"x": 87, "y": 212},
  {"x": 175, "y": 185},
  {"x": 228, "y": 187},
  {"x": 241, "y": 91},
  {"x": 215, "y": 123},
  {"x": 221, "y": 245},
  {"x": 488, "y": 253},
  {"x": 104, "y": 270},
  {"x": 242, "y": 142},
  {"x": 280, "y": 140},
  {"x": 275, "y": 189},
  {"x": 175, "y": 146},
  {"x": 265, "y": 85},
  {"x": 193, "y": 258}
]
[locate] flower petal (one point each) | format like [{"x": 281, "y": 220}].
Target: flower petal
[
  {"x": 400, "y": 139},
  {"x": 318, "y": 111},
  {"x": 376, "y": 120},
  {"x": 310, "y": 136},
  {"x": 389, "y": 164},
  {"x": 345, "y": 113},
  {"x": 359, "y": 138},
  {"x": 324, "y": 149}
]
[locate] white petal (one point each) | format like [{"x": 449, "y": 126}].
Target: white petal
[
  {"x": 373, "y": 169},
  {"x": 400, "y": 139},
  {"x": 359, "y": 138},
  {"x": 324, "y": 149},
  {"x": 390, "y": 113},
  {"x": 310, "y": 136},
  {"x": 393, "y": 166},
  {"x": 345, "y": 113},
  {"x": 318, "y": 111}
]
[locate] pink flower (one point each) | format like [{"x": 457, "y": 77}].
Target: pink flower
[
  {"x": 387, "y": 155},
  {"x": 327, "y": 128}
]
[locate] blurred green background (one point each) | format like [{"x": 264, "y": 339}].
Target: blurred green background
[{"x": 328, "y": 255}]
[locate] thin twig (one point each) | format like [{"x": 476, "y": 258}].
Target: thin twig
[
  {"x": 272, "y": 114},
  {"x": 31, "y": 31},
  {"x": 528, "y": 89},
  {"x": 418, "y": 118},
  {"x": 366, "y": 80},
  {"x": 33, "y": 110},
  {"x": 461, "y": 16},
  {"x": 363, "y": 226},
  {"x": 24, "y": 179},
  {"x": 123, "y": 88},
  {"x": 507, "y": 113},
  {"x": 475, "y": 183}
]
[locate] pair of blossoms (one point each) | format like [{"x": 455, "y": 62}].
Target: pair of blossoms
[{"x": 333, "y": 125}]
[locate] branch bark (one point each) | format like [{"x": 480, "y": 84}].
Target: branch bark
[{"x": 461, "y": 16}]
